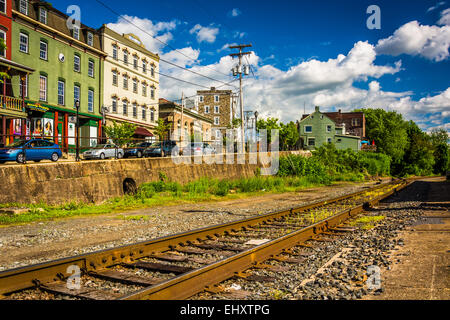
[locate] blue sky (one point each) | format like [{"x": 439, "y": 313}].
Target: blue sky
[{"x": 305, "y": 52}]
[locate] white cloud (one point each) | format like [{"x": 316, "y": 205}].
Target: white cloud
[
  {"x": 145, "y": 29},
  {"x": 431, "y": 42},
  {"x": 438, "y": 5},
  {"x": 445, "y": 17},
  {"x": 207, "y": 34},
  {"x": 235, "y": 12}
]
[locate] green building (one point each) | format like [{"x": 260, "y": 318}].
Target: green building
[
  {"x": 317, "y": 129},
  {"x": 67, "y": 65}
]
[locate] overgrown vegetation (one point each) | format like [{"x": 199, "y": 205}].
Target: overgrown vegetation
[{"x": 413, "y": 151}]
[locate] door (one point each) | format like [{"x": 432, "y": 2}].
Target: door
[{"x": 32, "y": 150}]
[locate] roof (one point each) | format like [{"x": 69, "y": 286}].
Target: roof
[
  {"x": 143, "y": 132},
  {"x": 166, "y": 104}
]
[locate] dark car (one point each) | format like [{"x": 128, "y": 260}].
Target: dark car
[
  {"x": 155, "y": 149},
  {"x": 137, "y": 151},
  {"x": 36, "y": 150}
]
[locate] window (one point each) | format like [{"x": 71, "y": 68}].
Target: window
[
  {"x": 134, "y": 110},
  {"x": 144, "y": 114},
  {"x": 216, "y": 121},
  {"x": 3, "y": 37},
  {"x": 144, "y": 66},
  {"x": 115, "y": 54},
  {"x": 135, "y": 85},
  {"x": 90, "y": 39},
  {"x": 135, "y": 62},
  {"x": 91, "y": 100},
  {"x": 311, "y": 141},
  {"x": 23, "y": 43},
  {"x": 77, "y": 63},
  {"x": 328, "y": 128},
  {"x": 339, "y": 140},
  {"x": 152, "y": 93},
  {"x": 216, "y": 98},
  {"x": 3, "y": 6},
  {"x": 206, "y": 109},
  {"x": 43, "y": 88},
  {"x": 125, "y": 108},
  {"x": 76, "y": 94},
  {"x": 216, "y": 109},
  {"x": 91, "y": 67},
  {"x": 61, "y": 90},
  {"x": 43, "y": 50},
  {"x": 43, "y": 15},
  {"x": 76, "y": 32},
  {"x": 125, "y": 82},
  {"x": 144, "y": 89},
  {"x": 329, "y": 140},
  {"x": 152, "y": 71},
  {"x": 200, "y": 98},
  {"x": 114, "y": 77},
  {"x": 23, "y": 6},
  {"x": 114, "y": 105},
  {"x": 218, "y": 135},
  {"x": 308, "y": 129},
  {"x": 125, "y": 57},
  {"x": 355, "y": 122},
  {"x": 23, "y": 85},
  {"x": 152, "y": 115}
]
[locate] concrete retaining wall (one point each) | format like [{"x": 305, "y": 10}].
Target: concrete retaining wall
[{"x": 97, "y": 181}]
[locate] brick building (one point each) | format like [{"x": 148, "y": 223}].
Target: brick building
[
  {"x": 194, "y": 123},
  {"x": 216, "y": 105},
  {"x": 353, "y": 122}
]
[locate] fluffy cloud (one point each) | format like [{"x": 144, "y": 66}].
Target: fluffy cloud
[
  {"x": 146, "y": 30},
  {"x": 235, "y": 12},
  {"x": 207, "y": 34},
  {"x": 431, "y": 42},
  {"x": 439, "y": 4}
]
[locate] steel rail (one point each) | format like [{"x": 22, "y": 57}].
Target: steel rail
[
  {"x": 186, "y": 285},
  {"x": 31, "y": 276}
]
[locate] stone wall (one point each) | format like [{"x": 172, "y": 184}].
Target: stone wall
[{"x": 97, "y": 181}]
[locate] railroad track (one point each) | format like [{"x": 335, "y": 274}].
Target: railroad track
[{"x": 182, "y": 265}]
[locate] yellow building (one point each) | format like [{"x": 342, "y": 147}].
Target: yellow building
[{"x": 131, "y": 82}]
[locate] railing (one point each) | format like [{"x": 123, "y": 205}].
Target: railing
[{"x": 11, "y": 103}]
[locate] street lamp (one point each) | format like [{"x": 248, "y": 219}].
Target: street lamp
[
  {"x": 256, "y": 130},
  {"x": 77, "y": 157}
]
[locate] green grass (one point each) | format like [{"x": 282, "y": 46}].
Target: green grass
[
  {"x": 162, "y": 194},
  {"x": 367, "y": 222}
]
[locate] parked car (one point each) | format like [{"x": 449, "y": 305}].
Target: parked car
[
  {"x": 155, "y": 149},
  {"x": 137, "y": 151},
  {"x": 198, "y": 148},
  {"x": 35, "y": 149},
  {"x": 103, "y": 151}
]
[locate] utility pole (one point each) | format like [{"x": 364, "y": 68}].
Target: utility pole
[
  {"x": 182, "y": 114},
  {"x": 239, "y": 70}
]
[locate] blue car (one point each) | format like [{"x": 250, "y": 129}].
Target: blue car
[
  {"x": 137, "y": 151},
  {"x": 36, "y": 150}
]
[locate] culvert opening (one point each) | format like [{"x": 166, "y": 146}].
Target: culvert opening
[{"x": 129, "y": 186}]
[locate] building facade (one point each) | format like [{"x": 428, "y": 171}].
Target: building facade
[
  {"x": 67, "y": 65},
  {"x": 13, "y": 115},
  {"x": 131, "y": 82},
  {"x": 317, "y": 129},
  {"x": 216, "y": 105},
  {"x": 354, "y": 122},
  {"x": 194, "y": 124}
]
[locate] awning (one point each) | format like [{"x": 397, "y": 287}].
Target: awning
[{"x": 143, "y": 132}]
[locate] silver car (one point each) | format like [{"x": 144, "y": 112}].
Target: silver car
[
  {"x": 103, "y": 151},
  {"x": 198, "y": 148}
]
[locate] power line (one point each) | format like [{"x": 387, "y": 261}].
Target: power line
[{"x": 162, "y": 42}]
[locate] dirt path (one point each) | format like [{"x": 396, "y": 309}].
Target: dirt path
[
  {"x": 421, "y": 268},
  {"x": 42, "y": 241}
]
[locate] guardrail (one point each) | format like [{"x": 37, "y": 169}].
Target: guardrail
[{"x": 11, "y": 103}]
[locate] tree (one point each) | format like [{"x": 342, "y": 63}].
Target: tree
[
  {"x": 120, "y": 134},
  {"x": 439, "y": 140},
  {"x": 288, "y": 135},
  {"x": 161, "y": 129},
  {"x": 269, "y": 125},
  {"x": 389, "y": 131},
  {"x": 419, "y": 155}
]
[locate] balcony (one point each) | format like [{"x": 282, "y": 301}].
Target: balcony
[{"x": 11, "y": 103}]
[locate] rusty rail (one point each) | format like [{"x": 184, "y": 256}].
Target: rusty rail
[{"x": 189, "y": 283}]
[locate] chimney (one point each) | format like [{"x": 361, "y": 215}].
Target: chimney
[
  {"x": 340, "y": 111},
  {"x": 213, "y": 88},
  {"x": 317, "y": 109}
]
